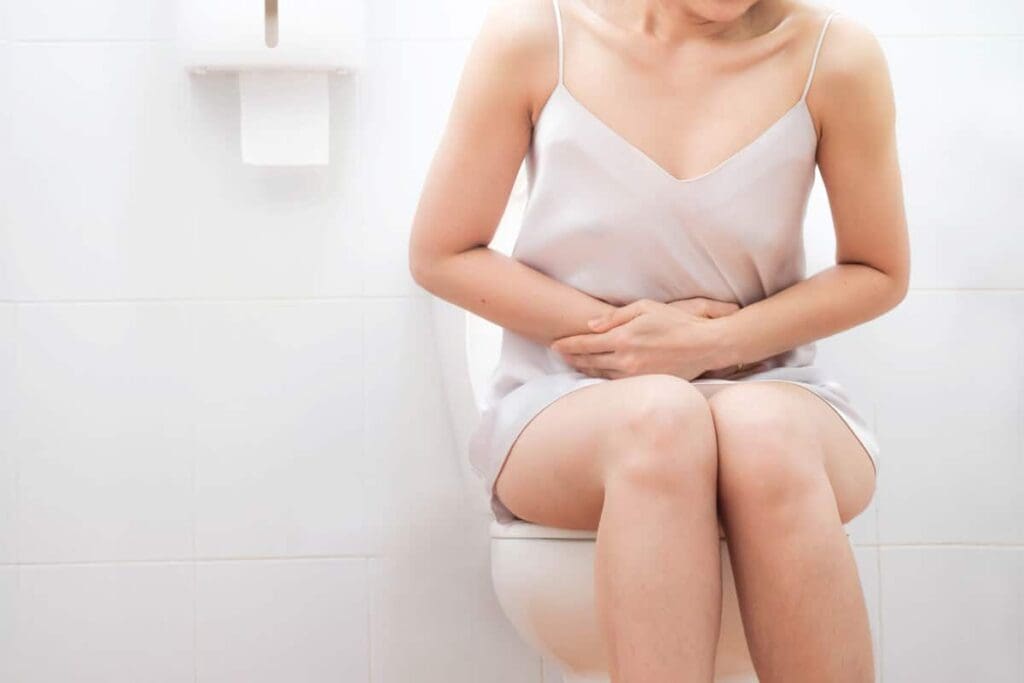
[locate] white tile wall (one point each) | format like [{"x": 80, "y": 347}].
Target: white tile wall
[
  {"x": 290, "y": 231},
  {"x": 269, "y": 621},
  {"x": 103, "y": 433},
  {"x": 103, "y": 622},
  {"x": 6, "y": 167},
  {"x": 106, "y": 20},
  {"x": 406, "y": 96},
  {"x": 8, "y": 498},
  {"x": 8, "y": 454},
  {"x": 959, "y": 141},
  {"x": 949, "y": 371},
  {"x": 439, "y": 20},
  {"x": 953, "y": 614},
  {"x": 8, "y": 617},
  {"x": 928, "y": 17},
  {"x": 280, "y": 467},
  {"x": 407, "y": 438},
  {"x": 867, "y": 567},
  {"x": 224, "y": 453},
  {"x": 103, "y": 127}
]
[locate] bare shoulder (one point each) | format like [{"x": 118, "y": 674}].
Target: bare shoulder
[
  {"x": 852, "y": 75},
  {"x": 517, "y": 43}
]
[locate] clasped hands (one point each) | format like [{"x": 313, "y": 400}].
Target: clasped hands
[{"x": 682, "y": 337}]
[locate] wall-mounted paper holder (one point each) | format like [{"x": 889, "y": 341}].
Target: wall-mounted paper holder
[{"x": 283, "y": 51}]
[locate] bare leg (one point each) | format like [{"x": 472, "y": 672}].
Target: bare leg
[
  {"x": 634, "y": 458},
  {"x": 791, "y": 474}
]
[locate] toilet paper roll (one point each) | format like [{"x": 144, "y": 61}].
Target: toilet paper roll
[{"x": 284, "y": 118}]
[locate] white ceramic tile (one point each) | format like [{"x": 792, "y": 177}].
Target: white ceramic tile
[
  {"x": 264, "y": 231},
  {"x": 8, "y": 353},
  {"x": 922, "y": 17},
  {"x": 959, "y": 107},
  {"x": 279, "y": 465},
  {"x": 6, "y": 170},
  {"x": 386, "y": 264},
  {"x": 435, "y": 619},
  {"x": 270, "y": 621},
  {"x": 8, "y": 459},
  {"x": 416, "y": 483},
  {"x": 867, "y": 568},
  {"x": 103, "y": 433},
  {"x": 952, "y": 614},
  {"x": 819, "y": 230},
  {"x": 8, "y": 619},
  {"x": 96, "y": 186},
  {"x": 959, "y": 162},
  {"x": 103, "y": 20},
  {"x": 949, "y": 420},
  {"x": 407, "y": 91},
  {"x": 119, "y": 622},
  {"x": 8, "y": 495},
  {"x": 412, "y": 20}
]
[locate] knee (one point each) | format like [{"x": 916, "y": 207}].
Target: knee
[
  {"x": 768, "y": 456},
  {"x": 666, "y": 439}
]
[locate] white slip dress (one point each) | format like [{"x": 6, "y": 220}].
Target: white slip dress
[{"x": 605, "y": 218}]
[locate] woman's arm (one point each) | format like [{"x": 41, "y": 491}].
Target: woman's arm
[
  {"x": 511, "y": 69},
  {"x": 857, "y": 158}
]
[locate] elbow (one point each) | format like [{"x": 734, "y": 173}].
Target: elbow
[
  {"x": 421, "y": 265},
  {"x": 420, "y": 269},
  {"x": 900, "y": 286}
]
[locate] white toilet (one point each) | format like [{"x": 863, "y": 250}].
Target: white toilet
[{"x": 543, "y": 576}]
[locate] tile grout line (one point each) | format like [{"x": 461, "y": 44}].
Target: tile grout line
[
  {"x": 357, "y": 296},
  {"x": 881, "y": 625},
  {"x": 191, "y": 345},
  {"x": 370, "y": 527},
  {"x": 1010, "y": 546}
]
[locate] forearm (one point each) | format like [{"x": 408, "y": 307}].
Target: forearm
[
  {"x": 831, "y": 301},
  {"x": 512, "y": 294}
]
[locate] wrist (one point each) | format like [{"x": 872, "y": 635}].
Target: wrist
[{"x": 726, "y": 350}]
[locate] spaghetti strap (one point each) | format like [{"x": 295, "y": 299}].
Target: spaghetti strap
[
  {"x": 558, "y": 23},
  {"x": 817, "y": 48}
]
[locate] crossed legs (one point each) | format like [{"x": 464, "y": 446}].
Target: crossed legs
[{"x": 653, "y": 465}]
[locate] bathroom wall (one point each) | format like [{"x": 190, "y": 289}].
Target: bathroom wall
[{"x": 223, "y": 448}]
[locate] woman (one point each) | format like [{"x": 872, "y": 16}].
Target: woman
[{"x": 656, "y": 376}]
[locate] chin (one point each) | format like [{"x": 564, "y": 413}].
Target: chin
[{"x": 719, "y": 10}]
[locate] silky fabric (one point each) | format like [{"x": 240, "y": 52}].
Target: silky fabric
[{"x": 603, "y": 217}]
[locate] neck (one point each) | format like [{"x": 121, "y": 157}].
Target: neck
[{"x": 675, "y": 21}]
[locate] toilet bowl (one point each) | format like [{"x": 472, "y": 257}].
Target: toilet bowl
[{"x": 543, "y": 576}]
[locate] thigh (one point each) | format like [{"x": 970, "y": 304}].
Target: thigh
[
  {"x": 554, "y": 473},
  {"x": 759, "y": 404}
]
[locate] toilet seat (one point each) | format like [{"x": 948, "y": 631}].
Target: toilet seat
[{"x": 523, "y": 529}]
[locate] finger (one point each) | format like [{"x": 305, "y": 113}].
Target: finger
[
  {"x": 717, "y": 309},
  {"x": 615, "y": 317},
  {"x": 591, "y": 361},
  {"x": 589, "y": 367},
  {"x": 583, "y": 343}
]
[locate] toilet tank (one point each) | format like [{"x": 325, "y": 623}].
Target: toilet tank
[{"x": 468, "y": 346}]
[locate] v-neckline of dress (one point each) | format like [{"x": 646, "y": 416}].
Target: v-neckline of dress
[{"x": 799, "y": 106}]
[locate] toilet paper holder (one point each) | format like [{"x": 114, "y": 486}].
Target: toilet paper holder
[{"x": 283, "y": 51}]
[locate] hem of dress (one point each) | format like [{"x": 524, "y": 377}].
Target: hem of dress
[
  {"x": 867, "y": 442},
  {"x": 491, "y": 471},
  {"x": 495, "y": 465}
]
